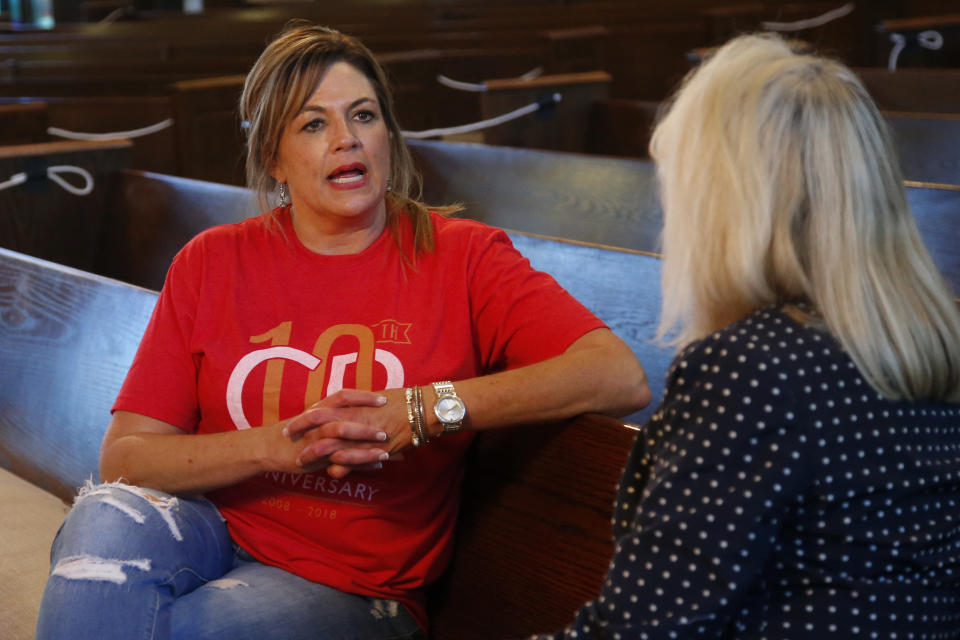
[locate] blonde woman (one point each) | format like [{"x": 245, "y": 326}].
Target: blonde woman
[{"x": 801, "y": 478}]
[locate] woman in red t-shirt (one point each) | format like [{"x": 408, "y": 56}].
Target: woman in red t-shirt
[{"x": 315, "y": 374}]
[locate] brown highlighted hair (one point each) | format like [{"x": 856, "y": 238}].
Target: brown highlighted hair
[{"x": 280, "y": 83}]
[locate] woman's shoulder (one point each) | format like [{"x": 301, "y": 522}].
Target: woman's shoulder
[
  {"x": 220, "y": 237},
  {"x": 468, "y": 239},
  {"x": 459, "y": 228},
  {"x": 772, "y": 339}
]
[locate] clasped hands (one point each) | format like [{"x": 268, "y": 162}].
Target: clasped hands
[{"x": 348, "y": 431}]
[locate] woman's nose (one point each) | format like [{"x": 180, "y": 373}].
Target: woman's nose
[{"x": 344, "y": 137}]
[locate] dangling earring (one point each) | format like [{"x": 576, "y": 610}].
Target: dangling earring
[
  {"x": 389, "y": 186},
  {"x": 282, "y": 199}
]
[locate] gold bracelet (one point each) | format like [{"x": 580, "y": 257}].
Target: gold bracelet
[
  {"x": 411, "y": 418},
  {"x": 418, "y": 415}
]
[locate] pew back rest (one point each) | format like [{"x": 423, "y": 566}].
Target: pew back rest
[
  {"x": 603, "y": 200},
  {"x": 928, "y": 145},
  {"x": 621, "y": 287},
  {"x": 613, "y": 201},
  {"x": 67, "y": 338},
  {"x": 936, "y": 210},
  {"x": 150, "y": 217}
]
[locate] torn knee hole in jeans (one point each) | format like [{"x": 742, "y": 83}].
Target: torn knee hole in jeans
[
  {"x": 97, "y": 569},
  {"x": 163, "y": 505}
]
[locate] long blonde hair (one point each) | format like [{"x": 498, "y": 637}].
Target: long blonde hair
[
  {"x": 280, "y": 83},
  {"x": 780, "y": 183}
]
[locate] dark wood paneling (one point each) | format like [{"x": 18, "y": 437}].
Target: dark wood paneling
[
  {"x": 623, "y": 127},
  {"x": 560, "y": 126},
  {"x": 42, "y": 219},
  {"x": 915, "y": 90},
  {"x": 110, "y": 114},
  {"x": 210, "y": 143},
  {"x": 23, "y": 122}
]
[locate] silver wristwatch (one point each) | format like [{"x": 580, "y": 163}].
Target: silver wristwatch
[{"x": 449, "y": 408}]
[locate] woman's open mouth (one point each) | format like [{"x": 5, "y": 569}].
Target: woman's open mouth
[{"x": 348, "y": 176}]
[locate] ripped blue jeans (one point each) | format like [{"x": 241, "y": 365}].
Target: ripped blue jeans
[{"x": 135, "y": 563}]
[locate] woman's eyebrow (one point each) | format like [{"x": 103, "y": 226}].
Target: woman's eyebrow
[{"x": 323, "y": 109}]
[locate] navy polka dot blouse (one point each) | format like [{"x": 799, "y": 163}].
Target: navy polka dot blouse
[{"x": 776, "y": 495}]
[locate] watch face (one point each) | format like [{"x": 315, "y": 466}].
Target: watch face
[{"x": 450, "y": 409}]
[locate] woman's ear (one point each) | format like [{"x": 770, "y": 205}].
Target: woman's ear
[{"x": 278, "y": 174}]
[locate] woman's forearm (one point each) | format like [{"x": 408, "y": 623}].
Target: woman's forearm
[
  {"x": 598, "y": 373},
  {"x": 177, "y": 462},
  {"x": 147, "y": 452}
]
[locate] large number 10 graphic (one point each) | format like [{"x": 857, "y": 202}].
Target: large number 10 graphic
[{"x": 323, "y": 380}]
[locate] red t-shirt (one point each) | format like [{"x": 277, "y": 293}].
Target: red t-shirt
[{"x": 251, "y": 327}]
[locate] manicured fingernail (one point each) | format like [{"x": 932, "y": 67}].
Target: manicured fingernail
[
  {"x": 381, "y": 400},
  {"x": 382, "y": 435},
  {"x": 384, "y": 456},
  {"x": 286, "y": 432}
]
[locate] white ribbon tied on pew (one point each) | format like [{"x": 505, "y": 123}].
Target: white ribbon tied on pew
[
  {"x": 485, "y": 124},
  {"x": 115, "y": 135},
  {"x": 53, "y": 173},
  {"x": 480, "y": 87},
  {"x": 930, "y": 39},
  {"x": 811, "y": 23}
]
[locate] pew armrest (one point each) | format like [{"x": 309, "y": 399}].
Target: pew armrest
[{"x": 534, "y": 538}]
